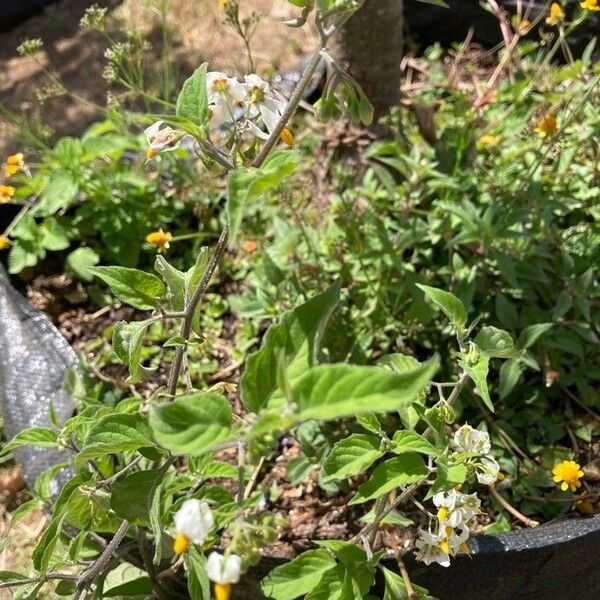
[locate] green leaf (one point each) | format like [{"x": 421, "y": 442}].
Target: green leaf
[
  {"x": 42, "y": 553},
  {"x": 156, "y": 511},
  {"x": 370, "y": 422},
  {"x": 478, "y": 372},
  {"x": 351, "y": 456},
  {"x": 452, "y": 307},
  {"x": 53, "y": 236},
  {"x": 496, "y": 343},
  {"x": 435, "y": 3},
  {"x": 134, "y": 287},
  {"x": 297, "y": 577},
  {"x": 12, "y": 576},
  {"x": 59, "y": 194},
  {"x": 410, "y": 441},
  {"x": 531, "y": 334},
  {"x": 510, "y": 372},
  {"x": 293, "y": 343},
  {"x": 192, "y": 102},
  {"x": 197, "y": 579},
  {"x": 245, "y": 185},
  {"x": 448, "y": 477},
  {"x": 333, "y": 391},
  {"x": 126, "y": 580},
  {"x": 395, "y": 588},
  {"x": 132, "y": 495},
  {"x": 113, "y": 434},
  {"x": 43, "y": 437},
  {"x": 395, "y": 472},
  {"x": 80, "y": 260},
  {"x": 127, "y": 344},
  {"x": 193, "y": 424},
  {"x": 175, "y": 280}
]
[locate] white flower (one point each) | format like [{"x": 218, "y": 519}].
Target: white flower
[
  {"x": 223, "y": 570},
  {"x": 161, "y": 139},
  {"x": 487, "y": 470},
  {"x": 193, "y": 522},
  {"x": 431, "y": 548},
  {"x": 456, "y": 509},
  {"x": 262, "y": 102},
  {"x": 224, "y": 94},
  {"x": 468, "y": 439},
  {"x": 458, "y": 541}
]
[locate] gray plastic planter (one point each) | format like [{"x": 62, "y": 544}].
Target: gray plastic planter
[{"x": 557, "y": 561}]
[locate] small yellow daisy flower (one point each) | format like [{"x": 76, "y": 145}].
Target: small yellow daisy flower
[
  {"x": 547, "y": 126},
  {"x": 287, "y": 137},
  {"x": 4, "y": 242},
  {"x": 556, "y": 15},
  {"x": 14, "y": 164},
  {"x": 160, "y": 240},
  {"x": 590, "y": 5},
  {"x": 6, "y": 193},
  {"x": 569, "y": 473}
]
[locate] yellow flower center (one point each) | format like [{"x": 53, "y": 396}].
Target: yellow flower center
[
  {"x": 222, "y": 591},
  {"x": 442, "y": 513},
  {"x": 181, "y": 544},
  {"x": 444, "y": 546},
  {"x": 287, "y": 137},
  {"x": 220, "y": 86},
  {"x": 567, "y": 473},
  {"x": 150, "y": 153},
  {"x": 257, "y": 95},
  {"x": 4, "y": 242}
]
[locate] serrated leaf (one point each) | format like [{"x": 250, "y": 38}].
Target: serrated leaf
[
  {"x": 293, "y": 343},
  {"x": 334, "y": 391},
  {"x": 193, "y": 424},
  {"x": 452, "y": 307},
  {"x": 410, "y": 441},
  {"x": 393, "y": 473},
  {"x": 192, "y": 103},
  {"x": 245, "y": 185},
  {"x": 42, "y": 437},
  {"x": 448, "y": 477},
  {"x": 351, "y": 456},
  {"x": 297, "y": 577},
  {"x": 134, "y": 287},
  {"x": 115, "y": 433}
]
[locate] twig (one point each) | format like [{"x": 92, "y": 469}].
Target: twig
[
  {"x": 47, "y": 577},
  {"x": 511, "y": 509},
  {"x": 108, "y": 482},
  {"x": 84, "y": 580},
  {"x": 254, "y": 477},
  {"x": 412, "y": 595}
]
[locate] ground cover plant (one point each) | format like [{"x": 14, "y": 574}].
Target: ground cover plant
[{"x": 413, "y": 319}]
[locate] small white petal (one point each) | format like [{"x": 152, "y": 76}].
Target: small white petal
[
  {"x": 194, "y": 520},
  {"x": 223, "y": 570}
]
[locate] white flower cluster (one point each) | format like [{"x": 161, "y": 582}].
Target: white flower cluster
[
  {"x": 247, "y": 106},
  {"x": 193, "y": 522},
  {"x": 455, "y": 518},
  {"x": 475, "y": 442}
]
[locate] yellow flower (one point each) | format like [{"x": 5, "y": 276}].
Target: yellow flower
[
  {"x": 569, "y": 473},
  {"x": 6, "y": 193},
  {"x": 547, "y": 126},
  {"x": 590, "y": 5},
  {"x": 223, "y": 4},
  {"x": 524, "y": 26},
  {"x": 4, "y": 242},
  {"x": 557, "y": 14},
  {"x": 488, "y": 141},
  {"x": 14, "y": 164},
  {"x": 287, "y": 137},
  {"x": 160, "y": 239}
]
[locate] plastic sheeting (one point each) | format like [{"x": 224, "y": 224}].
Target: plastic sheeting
[{"x": 34, "y": 360}]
